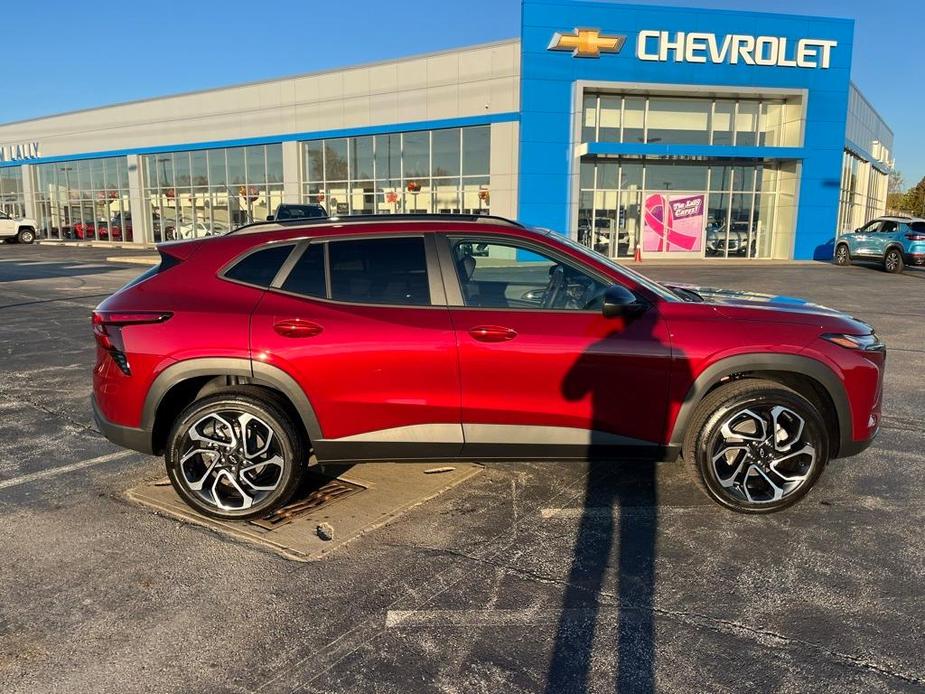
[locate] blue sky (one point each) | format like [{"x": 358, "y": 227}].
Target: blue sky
[{"x": 76, "y": 55}]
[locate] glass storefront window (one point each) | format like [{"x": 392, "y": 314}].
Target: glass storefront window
[
  {"x": 476, "y": 150},
  {"x": 12, "y": 200},
  {"x": 361, "y": 157},
  {"x": 675, "y": 175},
  {"x": 743, "y": 213},
  {"x": 446, "y": 144},
  {"x": 634, "y": 118},
  {"x": 723, "y": 120},
  {"x": 82, "y": 200},
  {"x": 205, "y": 192},
  {"x": 691, "y": 120},
  {"x": 746, "y": 121},
  {"x": 444, "y": 170},
  {"x": 611, "y": 118},
  {"x": 589, "y": 118},
  {"x": 416, "y": 155},
  {"x": 681, "y": 121},
  {"x": 313, "y": 153},
  {"x": 863, "y": 193},
  {"x": 388, "y": 157}
]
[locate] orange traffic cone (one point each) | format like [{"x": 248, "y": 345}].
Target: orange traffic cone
[{"x": 637, "y": 257}]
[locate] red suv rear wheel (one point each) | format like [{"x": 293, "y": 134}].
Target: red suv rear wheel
[{"x": 234, "y": 456}]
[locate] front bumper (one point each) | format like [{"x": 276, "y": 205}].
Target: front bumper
[
  {"x": 850, "y": 448},
  {"x": 127, "y": 437}
]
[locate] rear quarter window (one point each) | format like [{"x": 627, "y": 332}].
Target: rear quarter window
[{"x": 259, "y": 267}]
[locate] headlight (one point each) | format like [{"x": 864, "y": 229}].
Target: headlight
[{"x": 864, "y": 343}]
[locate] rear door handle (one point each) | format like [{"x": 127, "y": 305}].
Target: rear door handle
[
  {"x": 492, "y": 333},
  {"x": 296, "y": 327}
]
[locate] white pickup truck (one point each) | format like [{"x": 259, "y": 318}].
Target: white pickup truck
[{"x": 18, "y": 229}]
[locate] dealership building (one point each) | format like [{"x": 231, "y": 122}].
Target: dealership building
[{"x": 686, "y": 133}]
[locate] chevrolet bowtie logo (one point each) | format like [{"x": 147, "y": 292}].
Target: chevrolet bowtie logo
[{"x": 586, "y": 43}]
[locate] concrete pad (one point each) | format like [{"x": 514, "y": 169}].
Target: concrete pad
[{"x": 352, "y": 500}]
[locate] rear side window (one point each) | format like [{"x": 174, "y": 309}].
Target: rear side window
[
  {"x": 380, "y": 271},
  {"x": 307, "y": 275},
  {"x": 259, "y": 268}
]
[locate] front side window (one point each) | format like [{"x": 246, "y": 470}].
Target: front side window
[
  {"x": 259, "y": 268},
  {"x": 507, "y": 275},
  {"x": 379, "y": 271}
]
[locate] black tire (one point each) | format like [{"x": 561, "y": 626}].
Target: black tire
[
  {"x": 26, "y": 235},
  {"x": 842, "y": 255},
  {"x": 704, "y": 439},
  {"x": 286, "y": 442},
  {"x": 893, "y": 261}
]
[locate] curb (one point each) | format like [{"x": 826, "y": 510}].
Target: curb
[{"x": 134, "y": 259}]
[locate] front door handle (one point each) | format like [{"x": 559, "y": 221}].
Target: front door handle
[
  {"x": 492, "y": 333},
  {"x": 296, "y": 327}
]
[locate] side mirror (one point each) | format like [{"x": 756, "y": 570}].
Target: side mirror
[
  {"x": 621, "y": 302},
  {"x": 269, "y": 218}
]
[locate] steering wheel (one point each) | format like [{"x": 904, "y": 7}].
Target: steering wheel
[{"x": 555, "y": 286}]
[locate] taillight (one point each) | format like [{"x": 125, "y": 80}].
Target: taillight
[
  {"x": 99, "y": 332},
  {"x": 131, "y": 317},
  {"x": 107, "y": 329},
  {"x": 912, "y": 236}
]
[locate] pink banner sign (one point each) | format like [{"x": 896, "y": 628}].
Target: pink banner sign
[{"x": 673, "y": 223}]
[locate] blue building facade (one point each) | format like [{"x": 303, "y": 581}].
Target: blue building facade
[{"x": 738, "y": 114}]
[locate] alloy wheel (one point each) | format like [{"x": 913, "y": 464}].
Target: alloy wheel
[
  {"x": 841, "y": 255},
  {"x": 892, "y": 261},
  {"x": 762, "y": 454},
  {"x": 231, "y": 460}
]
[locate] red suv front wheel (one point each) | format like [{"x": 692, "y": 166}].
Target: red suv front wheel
[{"x": 756, "y": 446}]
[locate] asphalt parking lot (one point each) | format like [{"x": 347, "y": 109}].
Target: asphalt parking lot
[{"x": 524, "y": 578}]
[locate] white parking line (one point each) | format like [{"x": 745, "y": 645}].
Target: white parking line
[
  {"x": 498, "y": 618},
  {"x": 54, "y": 472},
  {"x": 616, "y": 511}
]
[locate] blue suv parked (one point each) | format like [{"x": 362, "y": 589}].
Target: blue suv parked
[{"x": 893, "y": 241}]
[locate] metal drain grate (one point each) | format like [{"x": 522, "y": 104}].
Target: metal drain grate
[{"x": 320, "y": 491}]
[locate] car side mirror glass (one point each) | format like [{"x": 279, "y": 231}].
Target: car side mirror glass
[
  {"x": 269, "y": 218},
  {"x": 621, "y": 302}
]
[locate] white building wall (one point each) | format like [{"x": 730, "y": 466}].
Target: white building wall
[
  {"x": 479, "y": 80},
  {"x": 505, "y": 139}
]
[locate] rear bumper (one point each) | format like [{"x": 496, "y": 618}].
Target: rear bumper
[
  {"x": 127, "y": 437},
  {"x": 915, "y": 258}
]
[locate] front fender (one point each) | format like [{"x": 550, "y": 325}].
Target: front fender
[{"x": 758, "y": 362}]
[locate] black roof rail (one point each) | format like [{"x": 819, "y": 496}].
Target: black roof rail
[{"x": 380, "y": 218}]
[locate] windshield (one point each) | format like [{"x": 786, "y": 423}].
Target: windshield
[{"x": 649, "y": 284}]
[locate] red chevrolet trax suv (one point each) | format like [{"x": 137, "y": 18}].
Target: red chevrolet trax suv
[{"x": 244, "y": 357}]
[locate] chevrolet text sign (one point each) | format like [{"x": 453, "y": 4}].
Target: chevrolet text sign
[{"x": 696, "y": 47}]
